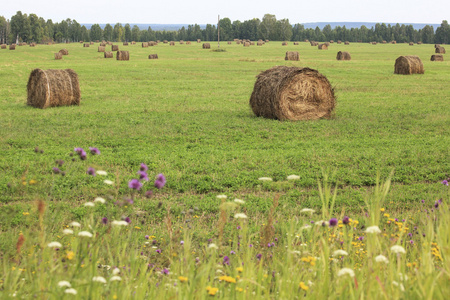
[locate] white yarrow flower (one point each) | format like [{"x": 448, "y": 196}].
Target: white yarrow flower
[
  {"x": 67, "y": 231},
  {"x": 54, "y": 245},
  {"x": 265, "y": 179},
  {"x": 64, "y": 283},
  {"x": 99, "y": 199},
  {"x": 119, "y": 223},
  {"x": 307, "y": 210},
  {"x": 75, "y": 224},
  {"x": 85, "y": 234},
  {"x": 397, "y": 249},
  {"x": 293, "y": 177},
  {"x": 70, "y": 291},
  {"x": 239, "y": 201},
  {"x": 240, "y": 216},
  {"x": 109, "y": 182},
  {"x": 116, "y": 271},
  {"x": 373, "y": 229},
  {"x": 346, "y": 271},
  {"x": 213, "y": 246},
  {"x": 340, "y": 252},
  {"x": 100, "y": 172},
  {"x": 89, "y": 204},
  {"x": 115, "y": 278},
  {"x": 304, "y": 227},
  {"x": 99, "y": 279},
  {"x": 381, "y": 258},
  {"x": 221, "y": 196}
]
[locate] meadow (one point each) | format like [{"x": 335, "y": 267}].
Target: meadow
[{"x": 382, "y": 160}]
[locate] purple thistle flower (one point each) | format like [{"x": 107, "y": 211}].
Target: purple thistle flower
[
  {"x": 250, "y": 246},
  {"x": 423, "y": 201},
  {"x": 346, "y": 220},
  {"x": 147, "y": 237},
  {"x": 56, "y": 170},
  {"x": 258, "y": 256},
  {"x": 83, "y": 155},
  {"x": 268, "y": 245},
  {"x": 143, "y": 167},
  {"x": 436, "y": 204},
  {"x": 148, "y": 193},
  {"x": 134, "y": 184},
  {"x": 361, "y": 238},
  {"x": 160, "y": 181},
  {"x": 411, "y": 242},
  {"x": 226, "y": 260},
  {"x": 276, "y": 239},
  {"x": 128, "y": 220},
  {"x": 78, "y": 150},
  {"x": 165, "y": 271},
  {"x": 232, "y": 252},
  {"x": 445, "y": 182},
  {"x": 182, "y": 243},
  {"x": 94, "y": 151},
  {"x": 60, "y": 162},
  {"x": 333, "y": 222},
  {"x": 105, "y": 220},
  {"x": 239, "y": 227},
  {"x": 143, "y": 175},
  {"x": 158, "y": 251},
  {"x": 91, "y": 171}
]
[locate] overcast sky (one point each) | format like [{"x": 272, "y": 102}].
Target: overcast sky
[{"x": 206, "y": 11}]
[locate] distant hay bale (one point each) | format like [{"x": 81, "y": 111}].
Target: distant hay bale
[
  {"x": 153, "y": 56},
  {"x": 411, "y": 43},
  {"x": 331, "y": 41},
  {"x": 323, "y": 47},
  {"x": 114, "y": 47},
  {"x": 267, "y": 41},
  {"x": 238, "y": 42},
  {"x": 165, "y": 42},
  {"x": 374, "y": 43},
  {"x": 123, "y": 55},
  {"x": 144, "y": 45},
  {"x": 97, "y": 41},
  {"x": 92, "y": 43},
  {"x": 3, "y": 46},
  {"x": 125, "y": 43},
  {"x": 229, "y": 42},
  {"x": 342, "y": 55},
  {"x": 206, "y": 46},
  {"x": 172, "y": 44},
  {"x": 49, "y": 43},
  {"x": 313, "y": 43},
  {"x": 436, "y": 45},
  {"x": 158, "y": 41},
  {"x": 81, "y": 42},
  {"x": 252, "y": 43},
  {"x": 103, "y": 44},
  {"x": 393, "y": 42},
  {"x": 284, "y": 43},
  {"x": 327, "y": 43},
  {"x": 437, "y": 57},
  {"x": 419, "y": 43},
  {"x": 85, "y": 45},
  {"x": 33, "y": 45},
  {"x": 407, "y": 65},
  {"x": 133, "y": 43},
  {"x": 384, "y": 42},
  {"x": 109, "y": 43},
  {"x": 108, "y": 54},
  {"x": 199, "y": 40},
  {"x": 346, "y": 43},
  {"x": 292, "y": 55},
  {"x": 296, "y": 43},
  {"x": 439, "y": 49},
  {"x": 64, "y": 52},
  {"x": 181, "y": 42},
  {"x": 101, "y": 49},
  {"x": 188, "y": 42},
  {"x": 50, "y": 88},
  {"x": 152, "y": 43},
  {"x": 12, "y": 47},
  {"x": 339, "y": 42},
  {"x": 246, "y": 44},
  {"x": 257, "y": 44},
  {"x": 291, "y": 93},
  {"x": 58, "y": 55}
]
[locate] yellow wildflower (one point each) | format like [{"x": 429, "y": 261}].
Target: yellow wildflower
[
  {"x": 227, "y": 279},
  {"x": 32, "y": 181},
  {"x": 212, "y": 291},
  {"x": 303, "y": 286},
  {"x": 70, "y": 255},
  {"x": 240, "y": 269},
  {"x": 382, "y": 209},
  {"x": 183, "y": 279},
  {"x": 25, "y": 213}
]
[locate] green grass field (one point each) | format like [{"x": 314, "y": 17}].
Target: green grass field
[{"x": 186, "y": 115}]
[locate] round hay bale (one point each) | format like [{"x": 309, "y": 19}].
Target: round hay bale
[
  {"x": 152, "y": 43},
  {"x": 109, "y": 43},
  {"x": 419, "y": 43},
  {"x": 291, "y": 93},
  {"x": 411, "y": 43},
  {"x": 102, "y": 44},
  {"x": 64, "y": 52},
  {"x": 407, "y": 65},
  {"x": 284, "y": 43},
  {"x": 374, "y": 43},
  {"x": 292, "y": 55},
  {"x": 153, "y": 56},
  {"x": 257, "y": 44},
  {"x": 188, "y": 43},
  {"x": 342, "y": 55},
  {"x": 199, "y": 40},
  {"x": 58, "y": 55},
  {"x": 172, "y": 43},
  {"x": 206, "y": 46},
  {"x": 3, "y": 46},
  {"x": 85, "y": 45},
  {"x": 123, "y": 55},
  {"x": 437, "y": 57},
  {"x": 33, "y": 45},
  {"x": 133, "y": 43},
  {"x": 92, "y": 43},
  {"x": 181, "y": 42},
  {"x": 50, "y": 88},
  {"x": 394, "y": 42},
  {"x": 12, "y": 47},
  {"x": 327, "y": 43},
  {"x": 101, "y": 49},
  {"x": 238, "y": 42},
  {"x": 229, "y": 43},
  {"x": 436, "y": 45},
  {"x": 81, "y": 42},
  {"x": 439, "y": 49},
  {"x": 339, "y": 42},
  {"x": 125, "y": 43},
  {"x": 313, "y": 43},
  {"x": 114, "y": 47},
  {"x": 165, "y": 42},
  {"x": 384, "y": 42},
  {"x": 144, "y": 45},
  {"x": 346, "y": 43},
  {"x": 296, "y": 43},
  {"x": 108, "y": 54},
  {"x": 267, "y": 41},
  {"x": 252, "y": 43},
  {"x": 246, "y": 44},
  {"x": 323, "y": 47}
]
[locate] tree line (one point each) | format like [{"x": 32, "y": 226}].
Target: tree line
[{"x": 31, "y": 28}]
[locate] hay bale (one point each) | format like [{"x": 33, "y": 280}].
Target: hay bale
[
  {"x": 103, "y": 44},
  {"x": 252, "y": 43},
  {"x": 188, "y": 43},
  {"x": 64, "y": 52},
  {"x": 125, "y": 43},
  {"x": 436, "y": 45},
  {"x": 86, "y": 45},
  {"x": 92, "y": 43},
  {"x": 346, "y": 43},
  {"x": 339, "y": 42},
  {"x": 101, "y": 49},
  {"x": 292, "y": 55},
  {"x": 123, "y": 55},
  {"x": 291, "y": 93},
  {"x": 50, "y": 88},
  {"x": 257, "y": 44},
  {"x": 327, "y": 43},
  {"x": 109, "y": 43},
  {"x": 199, "y": 40},
  {"x": 238, "y": 42},
  {"x": 419, "y": 43},
  {"x": 407, "y": 65},
  {"x": 172, "y": 44},
  {"x": 384, "y": 42},
  {"x": 342, "y": 55},
  {"x": 165, "y": 42},
  {"x": 246, "y": 44},
  {"x": 152, "y": 43},
  {"x": 108, "y": 54},
  {"x": 284, "y": 43},
  {"x": 323, "y": 47},
  {"x": 374, "y": 43},
  {"x": 437, "y": 57},
  {"x": 153, "y": 56},
  {"x": 313, "y": 43},
  {"x": 58, "y": 55},
  {"x": 267, "y": 41},
  {"x": 394, "y": 42},
  {"x": 440, "y": 49},
  {"x": 114, "y": 47},
  {"x": 181, "y": 42},
  {"x": 3, "y": 46},
  {"x": 133, "y": 43},
  {"x": 206, "y": 46},
  {"x": 33, "y": 45},
  {"x": 296, "y": 43},
  {"x": 144, "y": 45},
  {"x": 229, "y": 43},
  {"x": 411, "y": 43},
  {"x": 12, "y": 47}
]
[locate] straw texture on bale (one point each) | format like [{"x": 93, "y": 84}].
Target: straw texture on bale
[
  {"x": 152, "y": 43},
  {"x": 101, "y": 49},
  {"x": 292, "y": 55},
  {"x": 339, "y": 42},
  {"x": 312, "y": 43},
  {"x": 58, "y": 55},
  {"x": 323, "y": 47},
  {"x": 296, "y": 43},
  {"x": 153, "y": 56},
  {"x": 172, "y": 44},
  {"x": 393, "y": 42},
  {"x": 437, "y": 57},
  {"x": 346, "y": 43},
  {"x": 440, "y": 49},
  {"x": 86, "y": 45},
  {"x": 407, "y": 65},
  {"x": 257, "y": 44},
  {"x": 109, "y": 54},
  {"x": 206, "y": 46},
  {"x": 331, "y": 41},
  {"x": 103, "y": 44},
  {"x": 92, "y": 43},
  {"x": 199, "y": 40},
  {"x": 115, "y": 48},
  {"x": 165, "y": 42},
  {"x": 12, "y": 47},
  {"x": 384, "y": 42},
  {"x": 125, "y": 43},
  {"x": 436, "y": 45},
  {"x": 246, "y": 44},
  {"x": 411, "y": 43},
  {"x": 33, "y": 45},
  {"x": 291, "y": 93},
  {"x": 50, "y": 88},
  {"x": 64, "y": 52},
  {"x": 229, "y": 42},
  {"x": 123, "y": 55},
  {"x": 343, "y": 55},
  {"x": 144, "y": 45},
  {"x": 188, "y": 43},
  {"x": 3, "y": 46},
  {"x": 238, "y": 42}
]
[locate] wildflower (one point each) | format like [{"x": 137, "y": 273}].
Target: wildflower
[
  {"x": 70, "y": 255},
  {"x": 94, "y": 151},
  {"x": 293, "y": 177},
  {"x": 32, "y": 181},
  {"x": 64, "y": 284},
  {"x": 89, "y": 204},
  {"x": 108, "y": 182},
  {"x": 265, "y": 179},
  {"x": 182, "y": 278},
  {"x": 158, "y": 251},
  {"x": 91, "y": 171},
  {"x": 79, "y": 151},
  {"x": 99, "y": 279},
  {"x": 165, "y": 271},
  {"x": 54, "y": 245},
  {"x": 445, "y": 182},
  {"x": 436, "y": 204},
  {"x": 160, "y": 181},
  {"x": 181, "y": 242},
  {"x": 119, "y": 223},
  {"x": 85, "y": 234},
  {"x": 221, "y": 196},
  {"x": 240, "y": 216},
  {"x": 346, "y": 220},
  {"x": 346, "y": 271},
  {"x": 227, "y": 279},
  {"x": 333, "y": 222},
  {"x": 212, "y": 291},
  {"x": 381, "y": 258},
  {"x": 259, "y": 256},
  {"x": 397, "y": 249},
  {"x": 148, "y": 193},
  {"x": 116, "y": 271},
  {"x": 303, "y": 286},
  {"x": 340, "y": 252},
  {"x": 226, "y": 260},
  {"x": 307, "y": 210},
  {"x": 56, "y": 170},
  {"x": 239, "y": 201},
  {"x": 99, "y": 199},
  {"x": 115, "y": 278},
  {"x": 67, "y": 231},
  {"x": 143, "y": 175},
  {"x": 134, "y": 184},
  {"x": 105, "y": 220},
  {"x": 373, "y": 229},
  {"x": 128, "y": 220},
  {"x": 212, "y": 245},
  {"x": 70, "y": 291}
]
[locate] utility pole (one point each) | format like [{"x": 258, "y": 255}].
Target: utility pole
[{"x": 218, "y": 31}]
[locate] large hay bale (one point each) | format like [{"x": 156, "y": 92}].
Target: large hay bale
[
  {"x": 108, "y": 54},
  {"x": 292, "y": 55},
  {"x": 206, "y": 46},
  {"x": 407, "y": 65},
  {"x": 85, "y": 45},
  {"x": 3, "y": 46},
  {"x": 342, "y": 55},
  {"x": 144, "y": 45},
  {"x": 439, "y": 49},
  {"x": 101, "y": 49},
  {"x": 58, "y": 55},
  {"x": 50, "y": 88},
  {"x": 246, "y": 44},
  {"x": 291, "y": 93},
  {"x": 257, "y": 44},
  {"x": 123, "y": 55},
  {"x": 327, "y": 43},
  {"x": 114, "y": 47},
  {"x": 323, "y": 47},
  {"x": 12, "y": 47},
  {"x": 64, "y": 52},
  {"x": 152, "y": 43},
  {"x": 153, "y": 56},
  {"x": 411, "y": 43},
  {"x": 172, "y": 43},
  {"x": 436, "y": 45},
  {"x": 437, "y": 57}
]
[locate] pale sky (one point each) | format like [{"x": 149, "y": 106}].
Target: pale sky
[{"x": 206, "y": 11}]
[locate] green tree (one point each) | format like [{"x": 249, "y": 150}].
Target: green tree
[
  {"x": 84, "y": 34},
  {"x": 267, "y": 28},
  {"x": 237, "y": 29},
  {"x": 151, "y": 34},
  {"x": 108, "y": 32},
  {"x": 135, "y": 33},
  {"x": 127, "y": 29},
  {"x": 442, "y": 35},
  {"x": 4, "y": 32},
  {"x": 328, "y": 32},
  {"x": 226, "y": 29},
  {"x": 37, "y": 31},
  {"x": 182, "y": 34},
  {"x": 249, "y": 29},
  {"x": 20, "y": 27},
  {"x": 118, "y": 33},
  {"x": 284, "y": 30},
  {"x": 96, "y": 33},
  {"x": 427, "y": 34}
]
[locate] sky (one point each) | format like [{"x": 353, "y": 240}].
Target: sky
[{"x": 207, "y": 11}]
